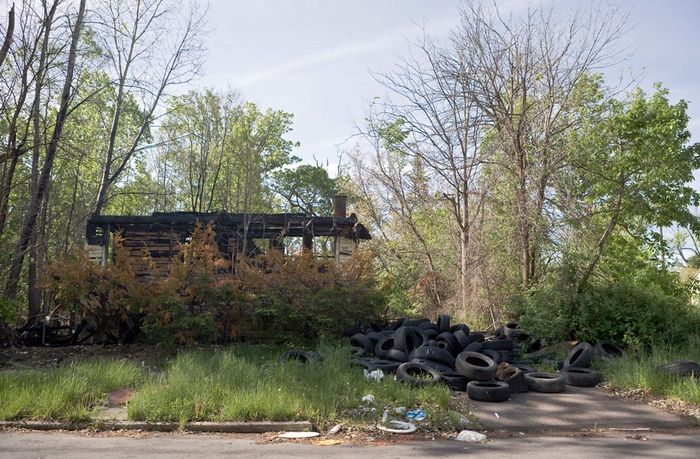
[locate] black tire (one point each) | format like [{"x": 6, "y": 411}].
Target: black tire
[
  {"x": 606, "y": 350},
  {"x": 462, "y": 338},
  {"x": 374, "y": 337},
  {"x": 475, "y": 366},
  {"x": 523, "y": 367},
  {"x": 300, "y": 356},
  {"x": 476, "y": 337},
  {"x": 495, "y": 355},
  {"x": 435, "y": 354},
  {"x": 498, "y": 345},
  {"x": 581, "y": 377},
  {"x": 408, "y": 338},
  {"x": 399, "y": 323},
  {"x": 363, "y": 341},
  {"x": 383, "y": 346},
  {"x": 488, "y": 391},
  {"x": 427, "y": 326},
  {"x": 443, "y": 323},
  {"x": 387, "y": 366},
  {"x": 545, "y": 382},
  {"x": 408, "y": 372},
  {"x": 580, "y": 356},
  {"x": 514, "y": 377},
  {"x": 463, "y": 327},
  {"x": 441, "y": 367},
  {"x": 473, "y": 347},
  {"x": 358, "y": 351},
  {"x": 444, "y": 345},
  {"x": 430, "y": 333},
  {"x": 366, "y": 364},
  {"x": 519, "y": 336},
  {"x": 454, "y": 380},
  {"x": 450, "y": 339},
  {"x": 396, "y": 355},
  {"x": 681, "y": 368}
]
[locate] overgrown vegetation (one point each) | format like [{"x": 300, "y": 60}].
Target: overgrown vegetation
[
  {"x": 640, "y": 370},
  {"x": 247, "y": 383},
  {"x": 71, "y": 393},
  {"x": 237, "y": 383},
  {"x": 204, "y": 299}
]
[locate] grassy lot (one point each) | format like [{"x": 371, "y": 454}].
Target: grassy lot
[
  {"x": 641, "y": 372},
  {"x": 69, "y": 393},
  {"x": 234, "y": 384},
  {"x": 247, "y": 383}
]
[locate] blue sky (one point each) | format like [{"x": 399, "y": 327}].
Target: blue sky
[{"x": 313, "y": 57}]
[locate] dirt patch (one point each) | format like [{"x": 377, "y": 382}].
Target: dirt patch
[
  {"x": 24, "y": 358},
  {"x": 678, "y": 407}
]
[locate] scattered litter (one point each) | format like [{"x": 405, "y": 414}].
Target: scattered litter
[
  {"x": 636, "y": 429},
  {"x": 328, "y": 442},
  {"x": 470, "y": 436},
  {"x": 385, "y": 416},
  {"x": 335, "y": 429},
  {"x": 496, "y": 414},
  {"x": 416, "y": 414},
  {"x": 369, "y": 398},
  {"x": 399, "y": 427},
  {"x": 400, "y": 410},
  {"x": 377, "y": 375},
  {"x": 298, "y": 435}
]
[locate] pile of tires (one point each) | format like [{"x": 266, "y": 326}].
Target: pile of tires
[{"x": 487, "y": 367}]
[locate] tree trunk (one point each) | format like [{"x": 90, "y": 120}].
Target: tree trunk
[
  {"x": 42, "y": 185},
  {"x": 8, "y": 35}
]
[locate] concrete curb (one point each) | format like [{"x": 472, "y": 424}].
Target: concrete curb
[{"x": 228, "y": 427}]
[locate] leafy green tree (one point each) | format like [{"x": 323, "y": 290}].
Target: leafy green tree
[{"x": 306, "y": 188}]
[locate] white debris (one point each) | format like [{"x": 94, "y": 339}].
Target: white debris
[
  {"x": 470, "y": 436},
  {"x": 369, "y": 398},
  {"x": 335, "y": 429},
  {"x": 377, "y": 375},
  {"x": 400, "y": 410},
  {"x": 399, "y": 427}
]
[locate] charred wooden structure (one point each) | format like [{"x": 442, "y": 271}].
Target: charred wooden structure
[{"x": 160, "y": 235}]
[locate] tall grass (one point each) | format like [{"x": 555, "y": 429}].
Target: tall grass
[
  {"x": 248, "y": 383},
  {"x": 70, "y": 393},
  {"x": 641, "y": 371}
]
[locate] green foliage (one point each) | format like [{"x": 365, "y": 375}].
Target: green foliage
[
  {"x": 634, "y": 307},
  {"x": 306, "y": 188},
  {"x": 10, "y": 310}
]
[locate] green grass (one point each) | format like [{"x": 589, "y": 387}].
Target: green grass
[
  {"x": 641, "y": 372},
  {"x": 70, "y": 393},
  {"x": 247, "y": 383},
  {"x": 239, "y": 383}
]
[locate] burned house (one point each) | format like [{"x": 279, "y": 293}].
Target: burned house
[{"x": 159, "y": 235}]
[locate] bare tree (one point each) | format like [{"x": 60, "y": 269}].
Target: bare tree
[
  {"x": 150, "y": 48},
  {"x": 42, "y": 185},
  {"x": 523, "y": 72},
  {"x": 433, "y": 104}
]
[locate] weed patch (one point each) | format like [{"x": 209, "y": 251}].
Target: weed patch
[
  {"x": 641, "y": 371},
  {"x": 70, "y": 393},
  {"x": 246, "y": 383}
]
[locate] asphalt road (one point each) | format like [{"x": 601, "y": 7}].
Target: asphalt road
[{"x": 78, "y": 445}]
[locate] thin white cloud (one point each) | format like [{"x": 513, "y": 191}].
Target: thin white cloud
[{"x": 389, "y": 38}]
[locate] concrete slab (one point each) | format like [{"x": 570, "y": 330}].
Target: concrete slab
[{"x": 576, "y": 409}]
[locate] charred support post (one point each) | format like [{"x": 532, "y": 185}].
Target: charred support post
[
  {"x": 307, "y": 238},
  {"x": 340, "y": 205}
]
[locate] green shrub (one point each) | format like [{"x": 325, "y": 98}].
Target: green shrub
[{"x": 633, "y": 310}]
